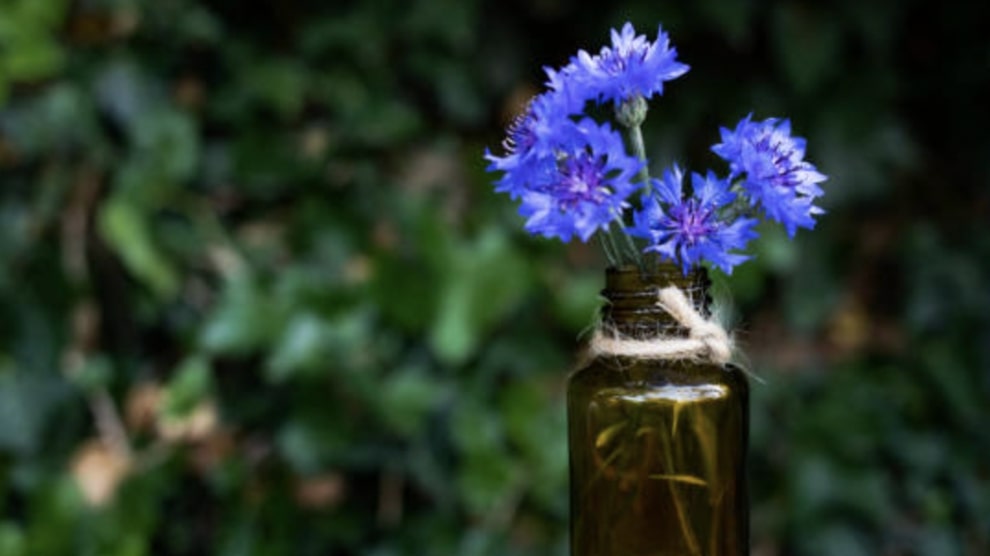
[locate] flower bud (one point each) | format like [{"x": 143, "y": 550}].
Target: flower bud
[{"x": 631, "y": 112}]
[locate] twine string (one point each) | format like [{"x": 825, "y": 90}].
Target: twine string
[{"x": 706, "y": 340}]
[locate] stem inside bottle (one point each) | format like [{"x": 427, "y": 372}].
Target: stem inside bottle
[{"x": 657, "y": 447}]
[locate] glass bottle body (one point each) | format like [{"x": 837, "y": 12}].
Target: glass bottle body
[{"x": 657, "y": 447}]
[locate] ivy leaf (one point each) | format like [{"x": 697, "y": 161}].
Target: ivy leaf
[
  {"x": 486, "y": 280},
  {"x": 128, "y": 232},
  {"x": 245, "y": 319}
]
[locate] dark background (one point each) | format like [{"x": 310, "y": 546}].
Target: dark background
[{"x": 257, "y": 296}]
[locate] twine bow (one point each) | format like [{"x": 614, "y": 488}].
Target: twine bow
[{"x": 706, "y": 341}]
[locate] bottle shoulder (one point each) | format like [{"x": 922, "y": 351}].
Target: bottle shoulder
[{"x": 619, "y": 372}]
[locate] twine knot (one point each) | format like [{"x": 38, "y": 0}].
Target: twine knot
[
  {"x": 709, "y": 333},
  {"x": 706, "y": 340},
  {"x": 716, "y": 341}
]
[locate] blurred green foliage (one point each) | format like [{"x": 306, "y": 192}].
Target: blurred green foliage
[{"x": 258, "y": 297}]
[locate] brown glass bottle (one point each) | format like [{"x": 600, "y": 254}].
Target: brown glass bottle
[{"x": 657, "y": 448}]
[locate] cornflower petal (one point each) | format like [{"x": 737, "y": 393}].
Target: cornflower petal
[
  {"x": 776, "y": 176},
  {"x": 692, "y": 230},
  {"x": 632, "y": 67},
  {"x": 572, "y": 178}
]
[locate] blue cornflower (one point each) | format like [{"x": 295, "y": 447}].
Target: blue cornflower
[
  {"x": 689, "y": 230},
  {"x": 579, "y": 185},
  {"x": 776, "y": 176},
  {"x": 564, "y": 86},
  {"x": 633, "y": 67},
  {"x": 531, "y": 137}
]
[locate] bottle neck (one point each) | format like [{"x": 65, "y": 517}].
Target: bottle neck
[{"x": 631, "y": 307}]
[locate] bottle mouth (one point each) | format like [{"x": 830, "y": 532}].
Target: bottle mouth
[
  {"x": 630, "y": 285},
  {"x": 631, "y": 295}
]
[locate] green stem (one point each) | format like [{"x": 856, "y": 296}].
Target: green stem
[
  {"x": 739, "y": 207},
  {"x": 619, "y": 252},
  {"x": 690, "y": 538},
  {"x": 608, "y": 245},
  {"x": 631, "y": 113},
  {"x": 633, "y": 251},
  {"x": 639, "y": 149}
]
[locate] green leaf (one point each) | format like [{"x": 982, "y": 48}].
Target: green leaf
[
  {"x": 167, "y": 141},
  {"x": 190, "y": 384},
  {"x": 95, "y": 373},
  {"x": 407, "y": 397},
  {"x": 487, "y": 474},
  {"x": 576, "y": 299},
  {"x": 245, "y": 319},
  {"x": 276, "y": 83},
  {"x": 313, "y": 345},
  {"x": 302, "y": 345},
  {"x": 536, "y": 425},
  {"x": 27, "y": 403},
  {"x": 37, "y": 15},
  {"x": 11, "y": 540},
  {"x": 310, "y": 443},
  {"x": 31, "y": 57},
  {"x": 29, "y": 48},
  {"x": 486, "y": 479},
  {"x": 127, "y": 230},
  {"x": 487, "y": 278}
]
